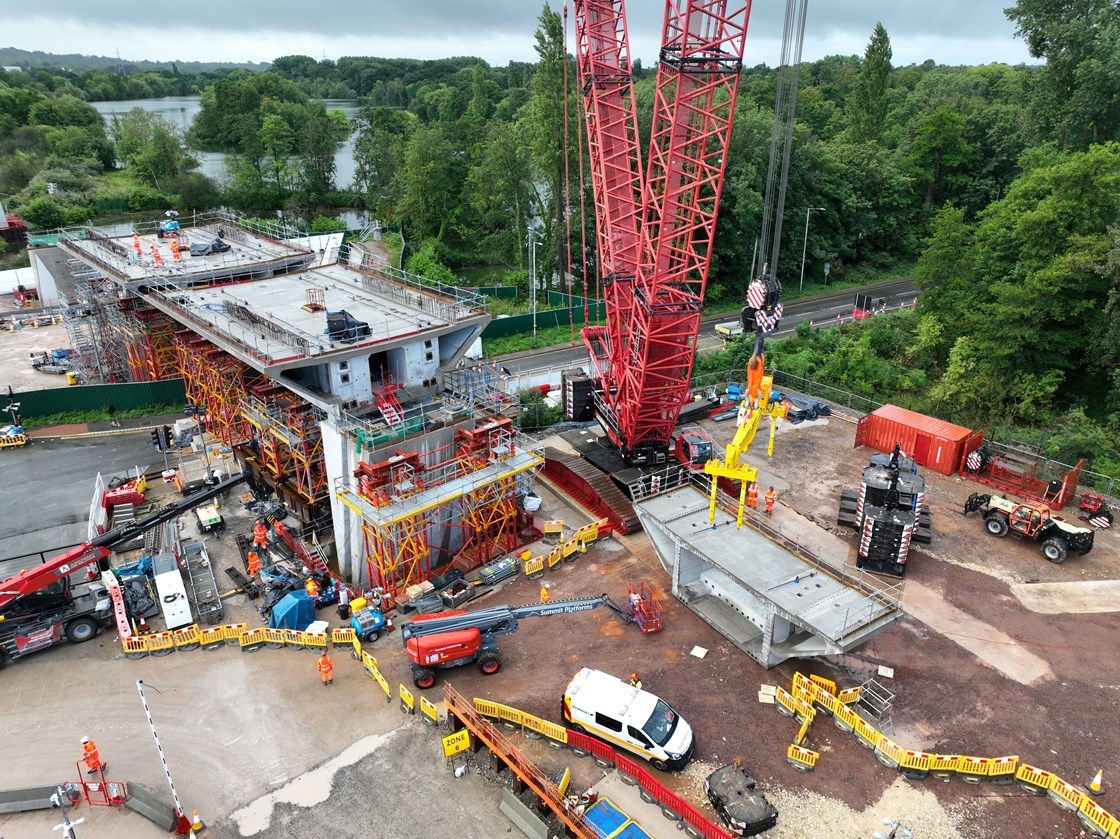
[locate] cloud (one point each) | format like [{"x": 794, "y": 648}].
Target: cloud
[{"x": 951, "y": 32}]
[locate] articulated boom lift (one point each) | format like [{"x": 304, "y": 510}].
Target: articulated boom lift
[{"x": 655, "y": 233}]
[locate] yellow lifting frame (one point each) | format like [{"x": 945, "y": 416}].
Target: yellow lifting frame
[{"x": 755, "y": 405}]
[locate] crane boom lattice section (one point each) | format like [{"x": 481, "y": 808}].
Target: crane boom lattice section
[{"x": 645, "y": 354}]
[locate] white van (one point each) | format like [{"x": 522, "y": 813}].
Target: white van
[{"x": 635, "y": 720}]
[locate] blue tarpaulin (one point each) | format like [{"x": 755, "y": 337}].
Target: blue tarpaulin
[{"x": 296, "y": 611}]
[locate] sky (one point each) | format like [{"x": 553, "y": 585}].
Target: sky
[{"x": 949, "y": 32}]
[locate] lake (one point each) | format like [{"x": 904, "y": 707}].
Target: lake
[{"x": 180, "y": 111}]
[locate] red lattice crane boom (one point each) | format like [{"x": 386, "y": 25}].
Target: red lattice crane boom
[{"x": 655, "y": 233}]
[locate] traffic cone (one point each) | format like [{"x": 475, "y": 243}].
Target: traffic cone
[
  {"x": 196, "y": 824},
  {"x": 389, "y": 624},
  {"x": 1094, "y": 786}
]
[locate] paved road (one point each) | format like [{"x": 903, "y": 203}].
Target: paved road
[
  {"x": 543, "y": 365},
  {"x": 48, "y": 485}
]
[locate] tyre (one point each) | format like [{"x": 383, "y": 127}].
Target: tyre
[
  {"x": 371, "y": 636},
  {"x": 577, "y": 727},
  {"x": 489, "y": 664},
  {"x": 996, "y": 525},
  {"x": 1054, "y": 550},
  {"x": 424, "y": 678},
  {"x": 660, "y": 765},
  {"x": 80, "y": 630}
]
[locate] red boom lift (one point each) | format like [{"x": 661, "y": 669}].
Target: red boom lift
[{"x": 655, "y": 233}]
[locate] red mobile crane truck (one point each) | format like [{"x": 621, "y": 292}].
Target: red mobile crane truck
[{"x": 40, "y": 607}]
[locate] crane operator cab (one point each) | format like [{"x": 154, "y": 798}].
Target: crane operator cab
[{"x": 628, "y": 718}]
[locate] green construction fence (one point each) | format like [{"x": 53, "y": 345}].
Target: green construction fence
[{"x": 123, "y": 397}]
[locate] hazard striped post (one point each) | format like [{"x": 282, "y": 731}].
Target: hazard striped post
[{"x": 183, "y": 824}]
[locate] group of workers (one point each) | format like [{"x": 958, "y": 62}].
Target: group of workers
[{"x": 770, "y": 498}]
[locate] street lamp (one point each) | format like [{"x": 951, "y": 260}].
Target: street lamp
[
  {"x": 805, "y": 244},
  {"x": 531, "y": 242}
]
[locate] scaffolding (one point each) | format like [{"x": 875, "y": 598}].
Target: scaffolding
[
  {"x": 289, "y": 439},
  {"x": 216, "y": 380},
  {"x": 456, "y": 504}
]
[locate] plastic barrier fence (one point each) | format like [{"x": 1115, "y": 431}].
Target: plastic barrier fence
[
  {"x": 160, "y": 643},
  {"x": 408, "y": 701},
  {"x": 814, "y": 691},
  {"x": 428, "y": 712},
  {"x": 185, "y": 638},
  {"x": 575, "y": 544}
]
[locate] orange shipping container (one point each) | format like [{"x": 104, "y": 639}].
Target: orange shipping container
[{"x": 931, "y": 442}]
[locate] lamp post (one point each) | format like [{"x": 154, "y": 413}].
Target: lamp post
[
  {"x": 531, "y": 242},
  {"x": 805, "y": 245}
]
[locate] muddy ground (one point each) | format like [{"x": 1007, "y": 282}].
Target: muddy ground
[{"x": 994, "y": 678}]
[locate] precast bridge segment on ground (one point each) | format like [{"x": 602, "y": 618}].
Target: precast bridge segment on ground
[{"x": 771, "y": 596}]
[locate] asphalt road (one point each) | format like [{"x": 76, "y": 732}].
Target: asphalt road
[
  {"x": 541, "y": 366},
  {"x": 48, "y": 485}
]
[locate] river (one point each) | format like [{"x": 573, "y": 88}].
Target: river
[{"x": 181, "y": 111}]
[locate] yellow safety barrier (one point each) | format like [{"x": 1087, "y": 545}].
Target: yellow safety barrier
[
  {"x": 972, "y": 770},
  {"x": 1097, "y": 820},
  {"x": 866, "y": 736},
  {"x": 888, "y": 752},
  {"x": 408, "y": 703},
  {"x": 802, "y": 733},
  {"x": 213, "y": 638},
  {"x": 589, "y": 532},
  {"x": 824, "y": 684},
  {"x": 377, "y": 677},
  {"x": 849, "y": 696},
  {"x": 369, "y": 664},
  {"x": 914, "y": 765},
  {"x": 826, "y": 703},
  {"x": 232, "y": 632},
  {"x": 536, "y": 727},
  {"x": 844, "y": 718},
  {"x": 791, "y": 706},
  {"x": 803, "y": 760},
  {"x": 1032, "y": 779},
  {"x": 570, "y": 547},
  {"x": 274, "y": 639},
  {"x": 253, "y": 640},
  {"x": 801, "y": 686},
  {"x": 553, "y": 527},
  {"x": 343, "y": 637},
  {"x": 511, "y": 718},
  {"x": 1001, "y": 770},
  {"x": 565, "y": 780},
  {"x": 943, "y": 767},
  {"x": 429, "y": 713},
  {"x": 1066, "y": 796},
  {"x": 554, "y": 557},
  {"x": 160, "y": 643},
  {"x": 314, "y": 640},
  {"x": 186, "y": 638},
  {"x": 534, "y": 567},
  {"x": 135, "y": 647}
]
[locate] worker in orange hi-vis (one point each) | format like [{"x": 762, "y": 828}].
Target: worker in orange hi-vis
[
  {"x": 260, "y": 534},
  {"x": 752, "y": 496},
  {"x": 312, "y": 588},
  {"x": 92, "y": 758},
  {"x": 326, "y": 669},
  {"x": 771, "y": 497},
  {"x": 279, "y": 530},
  {"x": 546, "y": 595},
  {"x": 254, "y": 564}
]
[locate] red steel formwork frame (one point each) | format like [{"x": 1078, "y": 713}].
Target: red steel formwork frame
[{"x": 645, "y": 354}]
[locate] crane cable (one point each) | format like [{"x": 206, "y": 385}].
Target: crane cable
[{"x": 785, "y": 107}]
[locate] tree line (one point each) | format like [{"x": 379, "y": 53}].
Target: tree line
[{"x": 994, "y": 184}]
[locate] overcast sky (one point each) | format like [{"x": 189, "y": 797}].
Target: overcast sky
[{"x": 949, "y": 32}]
